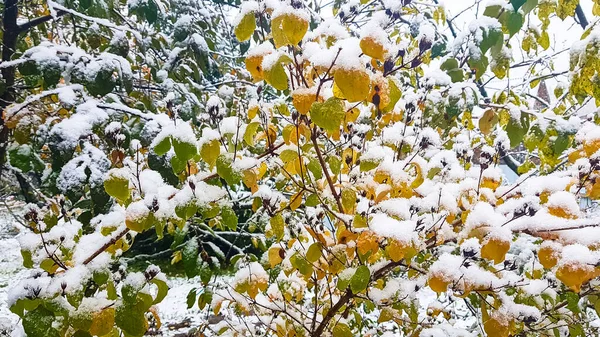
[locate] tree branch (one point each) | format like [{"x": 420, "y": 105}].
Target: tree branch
[
  {"x": 39, "y": 20},
  {"x": 583, "y": 22}
]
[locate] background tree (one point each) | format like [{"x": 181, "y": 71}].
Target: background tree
[{"x": 365, "y": 145}]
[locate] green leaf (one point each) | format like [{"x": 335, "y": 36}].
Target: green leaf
[
  {"x": 315, "y": 168},
  {"x": 245, "y": 28},
  {"x": 277, "y": 226},
  {"x": 348, "y": 200},
  {"x": 27, "y": 258},
  {"x": 276, "y": 77},
  {"x": 529, "y": 5},
  {"x": 163, "y": 289},
  {"x": 116, "y": 185},
  {"x": 288, "y": 155},
  {"x": 492, "y": 11},
  {"x": 131, "y": 319},
  {"x": 177, "y": 164},
  {"x": 230, "y": 219},
  {"x": 38, "y": 322},
  {"x": 312, "y": 200},
  {"x": 492, "y": 39},
  {"x": 517, "y": 130},
  {"x": 225, "y": 171},
  {"x": 395, "y": 95},
  {"x": 515, "y": 22},
  {"x": 314, "y": 252},
  {"x": 360, "y": 279},
  {"x": 517, "y": 4},
  {"x": 368, "y": 165},
  {"x": 23, "y": 158},
  {"x": 301, "y": 264},
  {"x": 250, "y": 133},
  {"x": 191, "y": 298},
  {"x": 189, "y": 255},
  {"x": 561, "y": 143},
  {"x": 480, "y": 65},
  {"x": 342, "y": 330},
  {"x": 184, "y": 150},
  {"x": 335, "y": 164},
  {"x": 453, "y": 70},
  {"x": 329, "y": 114}
]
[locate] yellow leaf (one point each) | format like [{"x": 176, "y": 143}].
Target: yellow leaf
[
  {"x": 419, "y": 179},
  {"x": 574, "y": 275},
  {"x": 371, "y": 47},
  {"x": 548, "y": 256},
  {"x": 303, "y": 99},
  {"x": 210, "y": 152},
  {"x": 296, "y": 200},
  {"x": 254, "y": 67},
  {"x": 367, "y": 242},
  {"x": 102, "y": 322},
  {"x": 488, "y": 121},
  {"x": 354, "y": 84},
  {"x": 276, "y": 255},
  {"x": 245, "y": 27},
  {"x": 496, "y": 327},
  {"x": 495, "y": 249},
  {"x": 438, "y": 283},
  {"x": 288, "y": 29},
  {"x": 250, "y": 180},
  {"x": 253, "y": 111}
]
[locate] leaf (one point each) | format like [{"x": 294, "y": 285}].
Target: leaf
[
  {"x": 288, "y": 155},
  {"x": 528, "y": 6},
  {"x": 275, "y": 256},
  {"x": 515, "y": 22},
  {"x": 245, "y": 28},
  {"x": 277, "y": 226},
  {"x": 131, "y": 319},
  {"x": 184, "y": 150},
  {"x": 163, "y": 289},
  {"x": 210, "y": 152},
  {"x": 38, "y": 322},
  {"x": 191, "y": 298},
  {"x": 479, "y": 65},
  {"x": 116, "y": 185},
  {"x": 288, "y": 29},
  {"x": 315, "y": 168},
  {"x": 250, "y": 133},
  {"x": 395, "y": 95},
  {"x": 226, "y": 171},
  {"x": 328, "y": 115},
  {"x": 314, "y": 252},
  {"x": 189, "y": 255},
  {"x": 517, "y": 4},
  {"x": 276, "y": 77},
  {"x": 360, "y": 279},
  {"x": 354, "y": 84},
  {"x": 419, "y": 179},
  {"x": 488, "y": 121},
  {"x": 296, "y": 200},
  {"x": 335, "y": 164},
  {"x": 230, "y": 219},
  {"x": 342, "y": 330},
  {"x": 102, "y": 322},
  {"x": 516, "y": 131},
  {"x": 348, "y": 200},
  {"x": 301, "y": 264}
]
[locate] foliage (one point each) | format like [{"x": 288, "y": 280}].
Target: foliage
[{"x": 344, "y": 148}]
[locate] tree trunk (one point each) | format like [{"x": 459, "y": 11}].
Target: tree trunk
[{"x": 9, "y": 44}]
